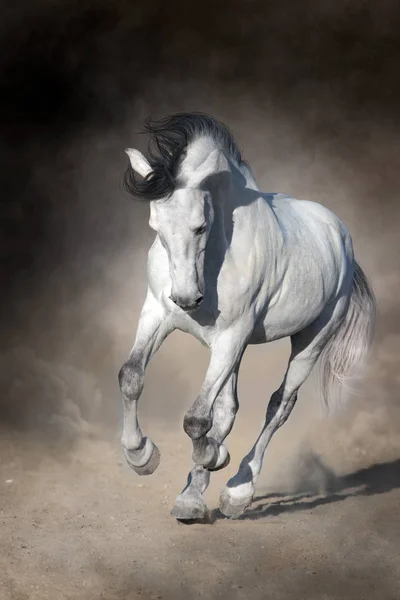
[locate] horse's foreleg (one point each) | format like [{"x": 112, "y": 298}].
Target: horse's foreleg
[
  {"x": 141, "y": 453},
  {"x": 189, "y": 504},
  {"x": 226, "y": 353}
]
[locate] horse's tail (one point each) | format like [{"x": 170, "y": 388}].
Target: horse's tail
[{"x": 347, "y": 350}]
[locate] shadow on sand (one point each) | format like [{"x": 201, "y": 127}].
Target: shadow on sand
[{"x": 376, "y": 479}]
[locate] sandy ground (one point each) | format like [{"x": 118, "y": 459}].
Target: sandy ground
[{"x": 77, "y": 524}]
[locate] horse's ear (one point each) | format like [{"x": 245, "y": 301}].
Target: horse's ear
[
  {"x": 214, "y": 164},
  {"x": 138, "y": 162}
]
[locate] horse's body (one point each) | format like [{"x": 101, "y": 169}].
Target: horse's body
[
  {"x": 268, "y": 281},
  {"x": 234, "y": 266}
]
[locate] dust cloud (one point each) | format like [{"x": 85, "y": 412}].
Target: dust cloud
[{"x": 311, "y": 94}]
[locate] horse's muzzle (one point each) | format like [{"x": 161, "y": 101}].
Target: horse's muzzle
[{"x": 187, "y": 304}]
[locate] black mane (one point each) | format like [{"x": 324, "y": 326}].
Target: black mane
[{"x": 169, "y": 138}]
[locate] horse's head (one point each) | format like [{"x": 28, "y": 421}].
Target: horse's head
[{"x": 183, "y": 222}]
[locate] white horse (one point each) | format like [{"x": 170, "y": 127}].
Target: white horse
[{"x": 234, "y": 266}]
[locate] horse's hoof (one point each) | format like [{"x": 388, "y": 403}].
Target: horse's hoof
[
  {"x": 233, "y": 507},
  {"x": 224, "y": 463},
  {"x": 189, "y": 508},
  {"x": 150, "y": 466}
]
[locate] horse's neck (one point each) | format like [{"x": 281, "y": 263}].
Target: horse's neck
[
  {"x": 244, "y": 216},
  {"x": 249, "y": 205},
  {"x": 243, "y": 202},
  {"x": 251, "y": 183}
]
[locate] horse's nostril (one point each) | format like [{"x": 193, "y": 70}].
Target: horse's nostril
[{"x": 186, "y": 304}]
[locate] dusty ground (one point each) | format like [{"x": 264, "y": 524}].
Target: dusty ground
[{"x": 77, "y": 524}]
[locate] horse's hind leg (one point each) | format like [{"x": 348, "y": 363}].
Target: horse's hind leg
[
  {"x": 141, "y": 453},
  {"x": 307, "y": 345},
  {"x": 189, "y": 504}
]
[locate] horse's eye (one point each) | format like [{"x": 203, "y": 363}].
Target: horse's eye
[{"x": 200, "y": 230}]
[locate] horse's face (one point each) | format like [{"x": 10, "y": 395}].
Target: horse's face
[{"x": 183, "y": 223}]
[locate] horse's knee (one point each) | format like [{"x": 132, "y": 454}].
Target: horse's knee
[
  {"x": 196, "y": 427},
  {"x": 130, "y": 379}
]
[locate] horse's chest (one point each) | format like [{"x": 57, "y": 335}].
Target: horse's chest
[{"x": 193, "y": 325}]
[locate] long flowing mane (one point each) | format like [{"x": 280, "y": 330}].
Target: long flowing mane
[{"x": 169, "y": 139}]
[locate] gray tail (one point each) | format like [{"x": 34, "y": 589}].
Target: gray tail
[{"x": 347, "y": 350}]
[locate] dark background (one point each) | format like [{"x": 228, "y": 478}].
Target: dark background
[{"x": 310, "y": 89}]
